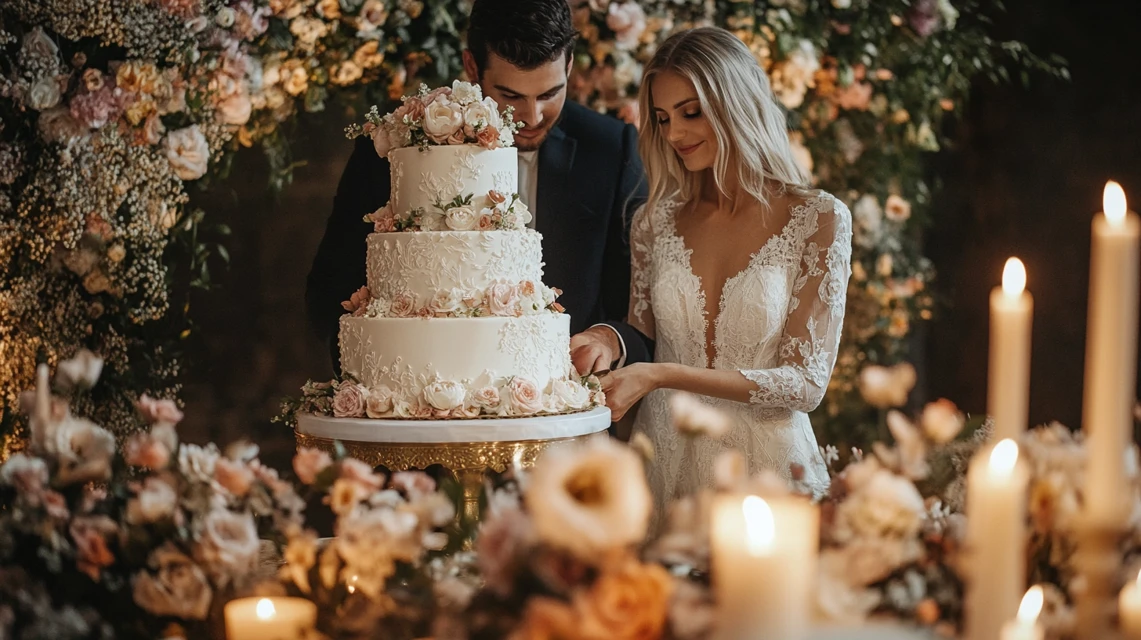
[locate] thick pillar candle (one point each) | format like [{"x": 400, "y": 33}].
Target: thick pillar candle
[
  {"x": 1111, "y": 357},
  {"x": 1008, "y": 377},
  {"x": 270, "y": 618},
  {"x": 1025, "y": 626},
  {"x": 764, "y": 566},
  {"x": 996, "y": 539}
]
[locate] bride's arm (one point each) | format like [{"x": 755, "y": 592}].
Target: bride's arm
[{"x": 808, "y": 347}]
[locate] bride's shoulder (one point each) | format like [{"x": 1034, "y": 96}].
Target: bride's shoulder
[{"x": 820, "y": 202}]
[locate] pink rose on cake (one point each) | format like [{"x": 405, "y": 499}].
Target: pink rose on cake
[
  {"x": 447, "y": 302},
  {"x": 486, "y": 398},
  {"x": 503, "y": 299},
  {"x": 403, "y": 305},
  {"x": 358, "y": 303},
  {"x": 445, "y": 395},
  {"x": 442, "y": 118},
  {"x": 383, "y": 219},
  {"x": 349, "y": 401},
  {"x": 461, "y": 218},
  {"x": 410, "y": 112},
  {"x": 486, "y": 223},
  {"x": 525, "y": 396},
  {"x": 380, "y": 402}
]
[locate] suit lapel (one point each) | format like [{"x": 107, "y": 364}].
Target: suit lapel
[{"x": 556, "y": 207}]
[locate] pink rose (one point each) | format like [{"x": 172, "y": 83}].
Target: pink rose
[
  {"x": 403, "y": 305},
  {"x": 525, "y": 396},
  {"x": 349, "y": 401},
  {"x": 381, "y": 141},
  {"x": 309, "y": 463},
  {"x": 487, "y": 398},
  {"x": 488, "y": 137},
  {"x": 457, "y": 137},
  {"x": 360, "y": 473},
  {"x": 411, "y": 111},
  {"x": 234, "y": 477},
  {"x": 856, "y": 96},
  {"x": 154, "y": 411},
  {"x": 496, "y": 197},
  {"x": 358, "y": 303},
  {"x": 628, "y": 21},
  {"x": 89, "y": 533},
  {"x": 414, "y": 484},
  {"x": 485, "y": 222},
  {"x": 503, "y": 299},
  {"x": 503, "y": 541},
  {"x": 144, "y": 450}
]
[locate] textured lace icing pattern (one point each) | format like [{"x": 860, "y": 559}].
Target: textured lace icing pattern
[
  {"x": 422, "y": 263},
  {"x": 532, "y": 354},
  {"x": 778, "y": 323}
]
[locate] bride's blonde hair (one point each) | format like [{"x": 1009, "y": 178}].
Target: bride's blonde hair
[{"x": 736, "y": 97}]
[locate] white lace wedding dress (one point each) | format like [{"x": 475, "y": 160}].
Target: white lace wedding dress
[{"x": 778, "y": 324}]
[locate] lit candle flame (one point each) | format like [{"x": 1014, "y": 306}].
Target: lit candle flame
[
  {"x": 760, "y": 530},
  {"x": 1113, "y": 203},
  {"x": 1004, "y": 457},
  {"x": 264, "y": 609},
  {"x": 1013, "y": 278},
  {"x": 1031, "y": 605}
]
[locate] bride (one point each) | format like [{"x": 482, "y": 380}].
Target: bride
[{"x": 739, "y": 268}]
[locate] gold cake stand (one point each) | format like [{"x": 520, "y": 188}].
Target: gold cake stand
[{"x": 468, "y": 449}]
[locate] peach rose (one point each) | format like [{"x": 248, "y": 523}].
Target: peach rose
[
  {"x": 143, "y": 450},
  {"x": 442, "y": 119},
  {"x": 525, "y": 396},
  {"x": 487, "y": 398},
  {"x": 188, "y": 152},
  {"x": 233, "y": 476},
  {"x": 309, "y": 463},
  {"x": 403, "y": 305},
  {"x": 349, "y": 401},
  {"x": 155, "y": 411},
  {"x": 503, "y": 299},
  {"x": 488, "y": 137},
  {"x": 90, "y": 536},
  {"x": 496, "y": 197},
  {"x": 358, "y": 303},
  {"x": 485, "y": 222},
  {"x": 629, "y": 601}
]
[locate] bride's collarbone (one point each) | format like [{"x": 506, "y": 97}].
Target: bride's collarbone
[{"x": 722, "y": 244}]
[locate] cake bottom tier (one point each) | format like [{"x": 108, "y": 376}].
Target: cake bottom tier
[{"x": 462, "y": 367}]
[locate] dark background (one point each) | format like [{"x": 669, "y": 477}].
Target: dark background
[{"x": 1024, "y": 179}]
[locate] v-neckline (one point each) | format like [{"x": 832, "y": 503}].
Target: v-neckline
[{"x": 702, "y": 299}]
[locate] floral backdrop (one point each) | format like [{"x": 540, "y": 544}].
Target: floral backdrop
[{"x": 110, "y": 122}]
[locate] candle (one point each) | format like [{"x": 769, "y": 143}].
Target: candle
[
  {"x": 1111, "y": 352},
  {"x": 996, "y": 538},
  {"x": 1129, "y": 610},
  {"x": 764, "y": 563},
  {"x": 1025, "y": 626},
  {"x": 1008, "y": 378},
  {"x": 269, "y": 618}
]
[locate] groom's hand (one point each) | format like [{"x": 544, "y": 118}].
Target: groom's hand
[{"x": 594, "y": 350}]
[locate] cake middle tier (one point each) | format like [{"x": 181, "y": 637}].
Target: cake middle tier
[
  {"x": 422, "y": 263},
  {"x": 406, "y": 354}
]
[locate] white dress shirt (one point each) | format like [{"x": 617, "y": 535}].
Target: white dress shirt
[{"x": 529, "y": 182}]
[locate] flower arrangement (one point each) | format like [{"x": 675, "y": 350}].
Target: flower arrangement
[
  {"x": 494, "y": 212},
  {"x": 112, "y": 114},
  {"x": 459, "y": 114},
  {"x": 498, "y": 299},
  {"x": 866, "y": 87},
  {"x": 489, "y": 396}
]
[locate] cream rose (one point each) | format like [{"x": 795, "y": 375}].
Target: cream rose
[
  {"x": 486, "y": 398},
  {"x": 886, "y": 387},
  {"x": 442, "y": 119},
  {"x": 156, "y": 500},
  {"x": 466, "y": 93},
  {"x": 236, "y": 108},
  {"x": 83, "y": 448},
  {"x": 525, "y": 396},
  {"x": 349, "y": 401},
  {"x": 897, "y": 209},
  {"x": 941, "y": 420},
  {"x": 445, "y": 395},
  {"x": 473, "y": 300},
  {"x": 461, "y": 218},
  {"x": 58, "y": 125},
  {"x": 380, "y": 402},
  {"x": 81, "y": 370},
  {"x": 403, "y": 305},
  {"x": 494, "y": 119},
  {"x": 503, "y": 299},
  {"x": 476, "y": 117},
  {"x": 188, "y": 152},
  {"x": 446, "y": 302},
  {"x": 575, "y": 395},
  {"x": 178, "y": 587},
  {"x": 228, "y": 546},
  {"x": 309, "y": 463},
  {"x": 628, "y": 21},
  {"x": 44, "y": 94}
]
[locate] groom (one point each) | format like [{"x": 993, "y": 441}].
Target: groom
[{"x": 579, "y": 174}]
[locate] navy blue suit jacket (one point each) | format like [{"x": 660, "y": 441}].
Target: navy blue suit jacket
[{"x": 590, "y": 182}]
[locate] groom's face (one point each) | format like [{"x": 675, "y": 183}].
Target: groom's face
[{"x": 536, "y": 94}]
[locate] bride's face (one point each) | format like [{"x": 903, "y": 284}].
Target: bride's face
[{"x": 682, "y": 122}]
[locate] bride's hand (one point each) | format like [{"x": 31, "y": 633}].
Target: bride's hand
[{"x": 626, "y": 386}]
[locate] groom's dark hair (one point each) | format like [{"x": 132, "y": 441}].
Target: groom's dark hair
[{"x": 526, "y": 33}]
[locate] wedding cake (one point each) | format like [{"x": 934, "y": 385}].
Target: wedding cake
[{"x": 454, "y": 321}]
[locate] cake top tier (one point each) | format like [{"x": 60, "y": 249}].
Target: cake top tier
[{"x": 459, "y": 114}]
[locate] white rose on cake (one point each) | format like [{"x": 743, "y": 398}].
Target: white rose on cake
[
  {"x": 442, "y": 119},
  {"x": 461, "y": 218},
  {"x": 572, "y": 394},
  {"x": 476, "y": 117},
  {"x": 503, "y": 299},
  {"x": 466, "y": 92},
  {"x": 445, "y": 395},
  {"x": 446, "y": 302},
  {"x": 380, "y": 402}
]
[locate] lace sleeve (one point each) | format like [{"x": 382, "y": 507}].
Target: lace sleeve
[
  {"x": 641, "y": 315},
  {"x": 815, "y": 316}
]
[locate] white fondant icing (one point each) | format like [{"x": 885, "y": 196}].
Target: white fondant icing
[
  {"x": 440, "y": 173},
  {"x": 437, "y": 431}
]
